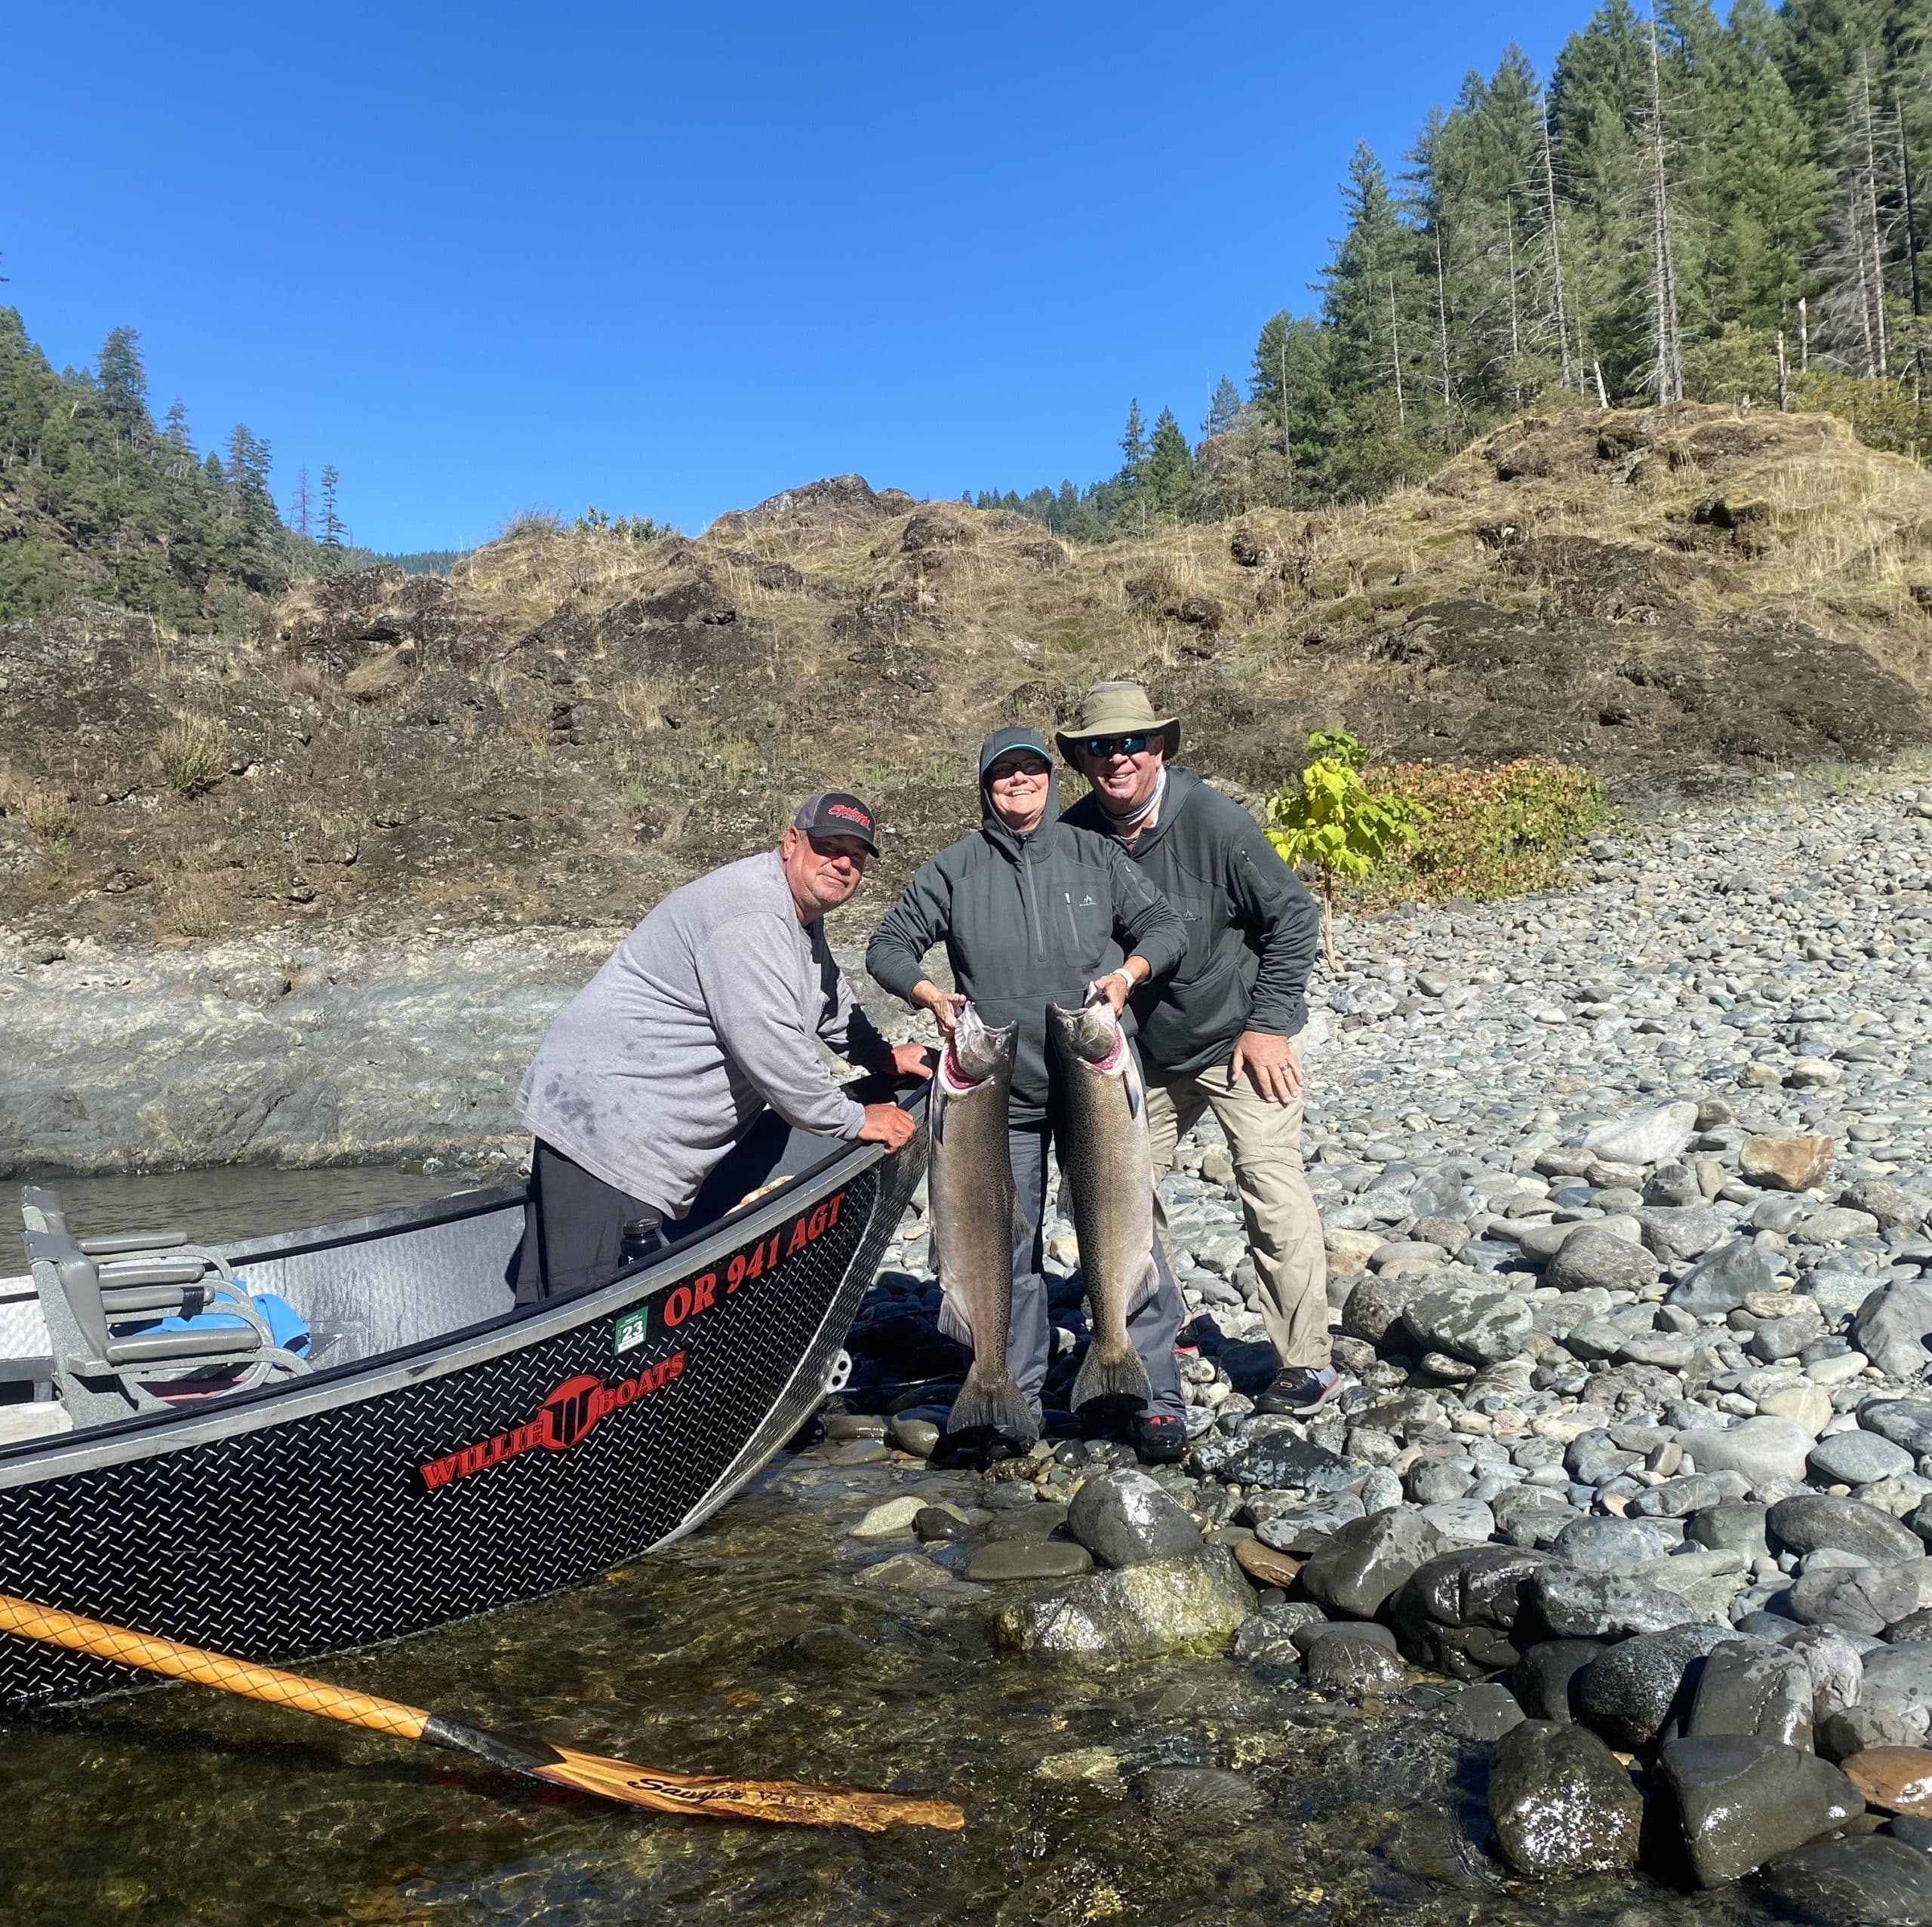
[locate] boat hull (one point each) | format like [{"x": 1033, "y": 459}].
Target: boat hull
[{"x": 508, "y": 1460}]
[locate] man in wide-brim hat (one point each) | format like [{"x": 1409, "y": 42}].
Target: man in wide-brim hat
[{"x": 1223, "y": 1032}]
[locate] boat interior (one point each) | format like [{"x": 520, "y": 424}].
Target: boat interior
[{"x": 107, "y": 1327}]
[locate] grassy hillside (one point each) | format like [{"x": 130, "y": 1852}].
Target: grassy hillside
[{"x": 572, "y": 723}]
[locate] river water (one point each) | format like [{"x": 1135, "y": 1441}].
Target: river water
[{"x": 749, "y": 1648}]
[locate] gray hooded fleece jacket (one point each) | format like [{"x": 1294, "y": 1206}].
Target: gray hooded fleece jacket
[
  {"x": 704, "y": 1014},
  {"x": 1026, "y": 921}
]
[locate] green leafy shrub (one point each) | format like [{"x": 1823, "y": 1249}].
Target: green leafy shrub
[
  {"x": 1331, "y": 822},
  {"x": 1485, "y": 833}
]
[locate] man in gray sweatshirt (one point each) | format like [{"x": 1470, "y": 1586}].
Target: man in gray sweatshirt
[{"x": 704, "y": 1017}]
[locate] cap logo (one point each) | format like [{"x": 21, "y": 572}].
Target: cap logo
[{"x": 846, "y": 810}]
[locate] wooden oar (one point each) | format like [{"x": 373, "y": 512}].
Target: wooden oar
[{"x": 562, "y": 1766}]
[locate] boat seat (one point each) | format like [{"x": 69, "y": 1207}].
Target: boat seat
[{"x": 153, "y": 1318}]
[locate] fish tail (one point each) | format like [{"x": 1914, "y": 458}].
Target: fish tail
[
  {"x": 991, "y": 1398},
  {"x": 1112, "y": 1372}
]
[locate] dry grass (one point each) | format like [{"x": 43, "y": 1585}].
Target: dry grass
[{"x": 192, "y": 757}]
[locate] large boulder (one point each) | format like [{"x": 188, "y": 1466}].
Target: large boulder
[
  {"x": 1350, "y": 1667},
  {"x": 1124, "y": 1518},
  {"x": 1280, "y": 1461},
  {"x": 1560, "y": 1803},
  {"x": 1742, "y": 1802},
  {"x": 1541, "y": 1679},
  {"x": 1592, "y": 1257},
  {"x": 1896, "y": 1778},
  {"x": 1891, "y": 1327},
  {"x": 1479, "y": 1326},
  {"x": 1723, "y": 1279},
  {"x": 1785, "y": 1164},
  {"x": 1570, "y": 1605},
  {"x": 1676, "y": 1232},
  {"x": 1752, "y": 1687},
  {"x": 1611, "y": 1545},
  {"x": 1810, "y": 1522},
  {"x": 1899, "y": 1680},
  {"x": 1455, "y": 1613},
  {"x": 1651, "y": 1137},
  {"x": 1858, "y": 1458},
  {"x": 1163, "y": 1606},
  {"x": 1905, "y": 1422},
  {"x": 1873, "y": 1882},
  {"x": 1362, "y": 1563},
  {"x": 1759, "y": 1450},
  {"x": 1856, "y": 1599},
  {"x": 1373, "y": 1308},
  {"x": 1631, "y": 1693}
]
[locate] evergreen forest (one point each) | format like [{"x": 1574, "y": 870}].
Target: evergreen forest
[
  {"x": 1687, "y": 207},
  {"x": 1722, "y": 210}
]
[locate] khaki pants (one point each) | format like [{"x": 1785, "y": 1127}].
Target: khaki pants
[{"x": 1284, "y": 1227}]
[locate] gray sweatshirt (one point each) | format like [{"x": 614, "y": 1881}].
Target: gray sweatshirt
[{"x": 702, "y": 1017}]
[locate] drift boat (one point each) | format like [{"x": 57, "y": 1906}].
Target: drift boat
[{"x": 297, "y": 1445}]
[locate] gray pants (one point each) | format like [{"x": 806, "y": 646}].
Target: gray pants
[{"x": 1029, "y": 1340}]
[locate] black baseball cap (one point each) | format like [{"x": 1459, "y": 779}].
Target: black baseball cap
[{"x": 837, "y": 813}]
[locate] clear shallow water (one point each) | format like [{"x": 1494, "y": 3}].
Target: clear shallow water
[{"x": 748, "y": 1648}]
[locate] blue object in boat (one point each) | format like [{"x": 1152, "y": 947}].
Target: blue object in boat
[{"x": 286, "y": 1326}]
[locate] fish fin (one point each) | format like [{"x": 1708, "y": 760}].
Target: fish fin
[
  {"x": 952, "y": 1322},
  {"x": 1146, "y": 1291},
  {"x": 1135, "y": 1097},
  {"x": 1112, "y": 1375},
  {"x": 991, "y": 1399},
  {"x": 937, "y": 1119}
]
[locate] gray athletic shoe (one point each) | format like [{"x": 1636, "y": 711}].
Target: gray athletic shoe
[{"x": 1300, "y": 1390}]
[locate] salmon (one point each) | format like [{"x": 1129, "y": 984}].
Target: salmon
[
  {"x": 970, "y": 1187},
  {"x": 1109, "y": 1169}
]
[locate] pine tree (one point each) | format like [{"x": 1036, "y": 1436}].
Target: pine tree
[
  {"x": 1131, "y": 507},
  {"x": 122, "y": 380},
  {"x": 334, "y": 532},
  {"x": 300, "y": 508},
  {"x": 1223, "y": 411},
  {"x": 1169, "y": 473}
]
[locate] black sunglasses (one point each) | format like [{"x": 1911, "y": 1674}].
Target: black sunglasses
[{"x": 1098, "y": 746}]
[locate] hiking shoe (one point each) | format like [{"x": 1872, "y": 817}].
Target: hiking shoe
[
  {"x": 1160, "y": 1438},
  {"x": 1300, "y": 1389}
]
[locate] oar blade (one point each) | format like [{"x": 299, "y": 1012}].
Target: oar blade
[{"x": 786, "y": 1801}]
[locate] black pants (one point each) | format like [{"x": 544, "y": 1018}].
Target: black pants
[
  {"x": 574, "y": 1224},
  {"x": 574, "y": 1227},
  {"x": 1153, "y": 1329}
]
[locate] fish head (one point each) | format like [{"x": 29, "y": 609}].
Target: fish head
[
  {"x": 1091, "y": 1035},
  {"x": 979, "y": 1050}
]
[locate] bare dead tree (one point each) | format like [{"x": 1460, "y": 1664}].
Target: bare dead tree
[
  {"x": 1516, "y": 332},
  {"x": 1395, "y": 355},
  {"x": 1572, "y": 375},
  {"x": 1442, "y": 321},
  {"x": 1872, "y": 229},
  {"x": 1666, "y": 336}
]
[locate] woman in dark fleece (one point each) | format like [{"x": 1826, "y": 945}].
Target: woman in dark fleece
[{"x": 1033, "y": 911}]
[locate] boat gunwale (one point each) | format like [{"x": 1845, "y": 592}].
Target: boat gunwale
[{"x": 142, "y": 1435}]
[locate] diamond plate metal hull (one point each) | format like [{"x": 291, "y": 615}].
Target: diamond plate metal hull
[{"x": 500, "y": 1462}]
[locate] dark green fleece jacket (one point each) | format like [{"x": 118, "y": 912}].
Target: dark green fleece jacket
[
  {"x": 1252, "y": 929},
  {"x": 1026, "y": 921}
]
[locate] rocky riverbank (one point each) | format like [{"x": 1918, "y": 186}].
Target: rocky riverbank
[{"x": 1627, "y": 1197}]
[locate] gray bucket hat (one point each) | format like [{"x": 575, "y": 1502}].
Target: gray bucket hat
[{"x": 1119, "y": 709}]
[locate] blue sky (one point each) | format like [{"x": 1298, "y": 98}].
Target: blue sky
[{"x": 670, "y": 260}]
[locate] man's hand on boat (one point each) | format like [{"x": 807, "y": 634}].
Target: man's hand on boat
[{"x": 886, "y": 1123}]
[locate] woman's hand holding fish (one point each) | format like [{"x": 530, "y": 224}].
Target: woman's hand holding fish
[{"x": 946, "y": 1005}]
